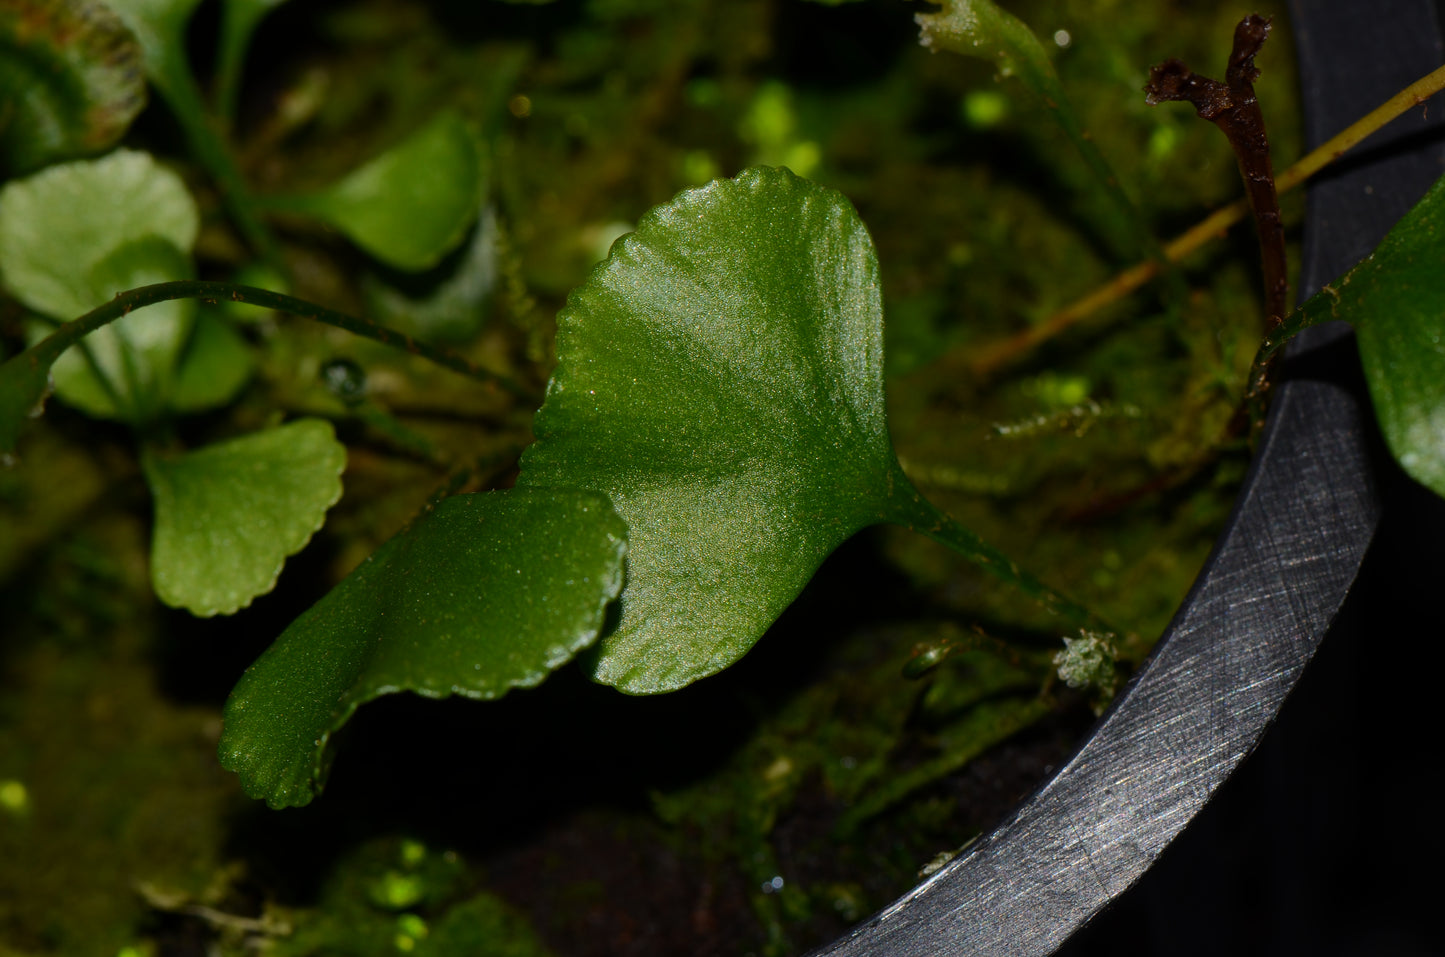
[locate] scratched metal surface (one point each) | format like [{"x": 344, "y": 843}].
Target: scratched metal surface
[{"x": 1264, "y": 600}]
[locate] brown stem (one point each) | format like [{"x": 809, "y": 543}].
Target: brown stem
[
  {"x": 1233, "y": 107},
  {"x": 987, "y": 360}
]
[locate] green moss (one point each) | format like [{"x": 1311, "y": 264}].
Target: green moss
[
  {"x": 392, "y": 897},
  {"x": 123, "y": 790},
  {"x": 1097, "y": 462}
]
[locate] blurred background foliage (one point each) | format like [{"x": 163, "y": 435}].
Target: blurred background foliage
[{"x": 761, "y": 811}]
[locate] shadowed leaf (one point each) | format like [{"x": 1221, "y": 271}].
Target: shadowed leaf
[{"x": 485, "y": 593}]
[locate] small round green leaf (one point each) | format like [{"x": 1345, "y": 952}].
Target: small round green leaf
[
  {"x": 74, "y": 235},
  {"x": 485, "y": 593},
  {"x": 411, "y": 205},
  {"x": 70, "y": 81},
  {"x": 58, "y": 224},
  {"x": 227, "y": 516},
  {"x": 720, "y": 377}
]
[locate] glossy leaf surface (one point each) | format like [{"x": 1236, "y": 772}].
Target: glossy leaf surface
[
  {"x": 1395, "y": 299},
  {"x": 720, "y": 377},
  {"x": 227, "y": 516},
  {"x": 411, "y": 205},
  {"x": 70, "y": 81},
  {"x": 485, "y": 593}
]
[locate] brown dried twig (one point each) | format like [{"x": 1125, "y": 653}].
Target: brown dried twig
[
  {"x": 1233, "y": 107},
  {"x": 985, "y": 361}
]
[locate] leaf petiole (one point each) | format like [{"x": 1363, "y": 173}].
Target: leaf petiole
[{"x": 914, "y": 512}]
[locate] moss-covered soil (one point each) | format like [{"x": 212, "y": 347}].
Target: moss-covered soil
[{"x": 758, "y": 812}]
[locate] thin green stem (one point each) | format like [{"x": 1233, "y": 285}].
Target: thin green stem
[
  {"x": 1145, "y": 242},
  {"x": 1256, "y": 394},
  {"x": 50, "y": 348},
  {"x": 911, "y": 510},
  {"x": 238, "y": 22},
  {"x": 400, "y": 435},
  {"x": 986, "y": 726},
  {"x": 979, "y": 28},
  {"x": 124, "y": 404},
  {"x": 174, "y": 81}
]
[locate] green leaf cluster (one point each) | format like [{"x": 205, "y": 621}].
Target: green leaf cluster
[
  {"x": 714, "y": 429},
  {"x": 71, "y": 237},
  {"x": 720, "y": 386},
  {"x": 73, "y": 234}
]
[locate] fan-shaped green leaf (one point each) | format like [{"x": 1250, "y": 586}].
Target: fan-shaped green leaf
[
  {"x": 485, "y": 593},
  {"x": 720, "y": 377},
  {"x": 411, "y": 205},
  {"x": 56, "y": 225},
  {"x": 1395, "y": 299},
  {"x": 71, "y": 237},
  {"x": 70, "y": 81},
  {"x": 230, "y": 514}
]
